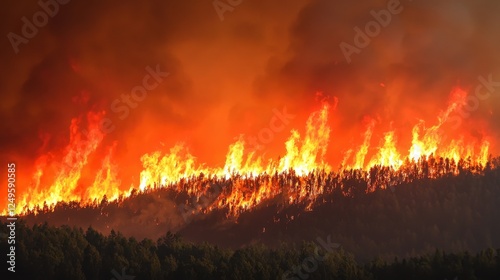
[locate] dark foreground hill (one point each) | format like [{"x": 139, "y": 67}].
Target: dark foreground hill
[{"x": 46, "y": 252}]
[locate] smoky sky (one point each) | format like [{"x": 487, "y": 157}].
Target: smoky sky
[{"x": 227, "y": 76}]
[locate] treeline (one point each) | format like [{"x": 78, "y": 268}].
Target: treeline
[
  {"x": 298, "y": 188},
  {"x": 456, "y": 212},
  {"x": 47, "y": 252},
  {"x": 453, "y": 213}
]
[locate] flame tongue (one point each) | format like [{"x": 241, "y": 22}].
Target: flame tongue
[
  {"x": 310, "y": 155},
  {"x": 363, "y": 150},
  {"x": 69, "y": 170},
  {"x": 106, "y": 182}
]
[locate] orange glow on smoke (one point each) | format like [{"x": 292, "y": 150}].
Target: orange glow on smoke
[{"x": 54, "y": 181}]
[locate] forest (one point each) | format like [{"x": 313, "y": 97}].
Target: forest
[
  {"x": 48, "y": 252},
  {"x": 415, "y": 213},
  {"x": 437, "y": 222}
]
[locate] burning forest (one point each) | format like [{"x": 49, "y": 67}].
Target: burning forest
[
  {"x": 244, "y": 124},
  {"x": 300, "y": 175}
]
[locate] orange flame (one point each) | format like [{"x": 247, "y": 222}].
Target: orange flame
[
  {"x": 363, "y": 150},
  {"x": 304, "y": 157}
]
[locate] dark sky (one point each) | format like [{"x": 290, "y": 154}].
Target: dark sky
[{"x": 227, "y": 74}]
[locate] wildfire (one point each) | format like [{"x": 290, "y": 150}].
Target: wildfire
[
  {"x": 388, "y": 154},
  {"x": 251, "y": 175},
  {"x": 363, "y": 150},
  {"x": 68, "y": 171}
]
